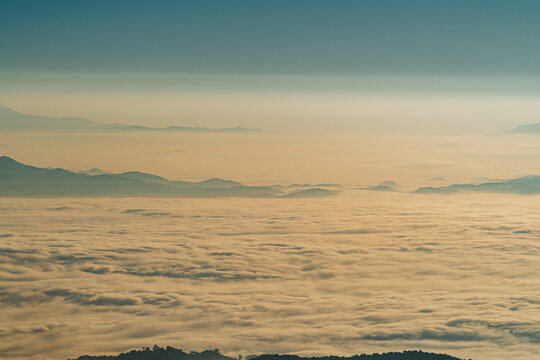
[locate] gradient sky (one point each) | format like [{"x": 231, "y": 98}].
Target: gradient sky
[
  {"x": 272, "y": 37},
  {"x": 322, "y": 66}
]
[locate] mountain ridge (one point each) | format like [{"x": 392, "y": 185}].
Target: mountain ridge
[
  {"x": 525, "y": 185},
  {"x": 531, "y": 129},
  {"x": 21, "y": 180},
  {"x": 11, "y": 119}
]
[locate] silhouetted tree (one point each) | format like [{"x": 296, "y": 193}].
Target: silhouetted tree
[{"x": 171, "y": 353}]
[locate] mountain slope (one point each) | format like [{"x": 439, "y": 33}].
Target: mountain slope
[
  {"x": 14, "y": 120},
  {"x": 20, "y": 180},
  {"x": 17, "y": 179},
  {"x": 308, "y": 193},
  {"x": 522, "y": 185},
  {"x": 533, "y": 129}
]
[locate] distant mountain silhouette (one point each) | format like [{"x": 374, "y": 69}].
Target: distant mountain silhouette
[
  {"x": 434, "y": 190},
  {"x": 94, "y": 171},
  {"x": 522, "y": 185},
  {"x": 389, "y": 183},
  {"x": 20, "y": 180},
  {"x": 185, "y": 129},
  {"x": 140, "y": 176},
  {"x": 313, "y": 192},
  {"x": 219, "y": 183},
  {"x": 384, "y": 186},
  {"x": 533, "y": 129},
  {"x": 170, "y": 353},
  {"x": 14, "y": 120},
  {"x": 313, "y": 185}
]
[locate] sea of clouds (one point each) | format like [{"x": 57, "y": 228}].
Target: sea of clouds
[{"x": 361, "y": 272}]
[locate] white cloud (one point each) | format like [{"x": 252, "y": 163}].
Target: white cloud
[{"x": 363, "y": 273}]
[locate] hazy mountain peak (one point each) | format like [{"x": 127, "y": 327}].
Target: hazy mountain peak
[
  {"x": 21, "y": 180},
  {"x": 220, "y": 182},
  {"x": 7, "y": 161},
  {"x": 6, "y": 110},
  {"x": 312, "y": 192},
  {"x": 6, "y": 158},
  {"x": 390, "y": 184},
  {"x": 525, "y": 129},
  {"x": 93, "y": 172}
]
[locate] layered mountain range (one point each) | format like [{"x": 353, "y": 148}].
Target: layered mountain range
[{"x": 20, "y": 180}]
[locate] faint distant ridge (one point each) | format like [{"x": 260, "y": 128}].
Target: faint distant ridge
[
  {"x": 313, "y": 192},
  {"x": 240, "y": 129},
  {"x": 533, "y": 129},
  {"x": 20, "y": 180},
  {"x": 388, "y": 185},
  {"x": 526, "y": 185},
  {"x": 170, "y": 353},
  {"x": 14, "y": 120}
]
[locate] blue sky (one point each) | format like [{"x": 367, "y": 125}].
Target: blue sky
[{"x": 272, "y": 37}]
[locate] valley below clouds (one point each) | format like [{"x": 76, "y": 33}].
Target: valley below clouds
[{"x": 360, "y": 272}]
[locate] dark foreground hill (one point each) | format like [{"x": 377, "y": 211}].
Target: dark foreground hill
[
  {"x": 405, "y": 355},
  {"x": 159, "y": 353},
  {"x": 170, "y": 353}
]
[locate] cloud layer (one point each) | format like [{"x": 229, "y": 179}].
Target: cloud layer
[{"x": 363, "y": 272}]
